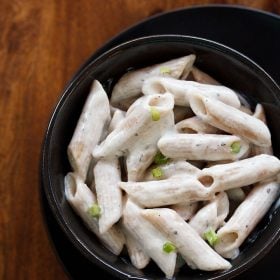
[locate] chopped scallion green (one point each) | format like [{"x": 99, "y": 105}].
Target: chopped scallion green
[
  {"x": 211, "y": 237},
  {"x": 160, "y": 158},
  {"x": 235, "y": 147},
  {"x": 155, "y": 114},
  {"x": 168, "y": 247},
  {"x": 94, "y": 211},
  {"x": 157, "y": 172},
  {"x": 165, "y": 70}
]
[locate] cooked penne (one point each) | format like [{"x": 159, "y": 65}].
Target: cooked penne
[
  {"x": 82, "y": 200},
  {"x": 202, "y": 77},
  {"x": 94, "y": 117},
  {"x": 239, "y": 174},
  {"x": 107, "y": 176},
  {"x": 185, "y": 209},
  {"x": 212, "y": 215},
  {"x": 135, "y": 251},
  {"x": 135, "y": 125},
  {"x": 172, "y": 168},
  {"x": 246, "y": 217},
  {"x": 183, "y": 90},
  {"x": 191, "y": 246},
  {"x": 170, "y": 191},
  {"x": 210, "y": 147},
  {"x": 257, "y": 150},
  {"x": 130, "y": 84},
  {"x": 142, "y": 151},
  {"x": 150, "y": 238},
  {"x": 196, "y": 125},
  {"x": 231, "y": 120},
  {"x": 107, "y": 173}
]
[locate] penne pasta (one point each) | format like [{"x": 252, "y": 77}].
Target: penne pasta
[
  {"x": 107, "y": 176},
  {"x": 94, "y": 118},
  {"x": 184, "y": 90},
  {"x": 144, "y": 149},
  {"x": 135, "y": 251},
  {"x": 107, "y": 173},
  {"x": 201, "y": 77},
  {"x": 82, "y": 199},
  {"x": 246, "y": 217},
  {"x": 195, "y": 125},
  {"x": 239, "y": 174},
  {"x": 189, "y": 244},
  {"x": 130, "y": 84},
  {"x": 212, "y": 215},
  {"x": 149, "y": 238},
  {"x": 231, "y": 120},
  {"x": 170, "y": 169},
  {"x": 134, "y": 126},
  {"x": 210, "y": 147},
  {"x": 257, "y": 150},
  {"x": 185, "y": 209},
  {"x": 170, "y": 191}
]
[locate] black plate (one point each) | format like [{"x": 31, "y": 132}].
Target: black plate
[{"x": 254, "y": 33}]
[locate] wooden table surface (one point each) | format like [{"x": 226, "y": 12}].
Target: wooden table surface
[{"x": 42, "y": 43}]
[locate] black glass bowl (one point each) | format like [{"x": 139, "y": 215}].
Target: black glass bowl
[{"x": 227, "y": 66}]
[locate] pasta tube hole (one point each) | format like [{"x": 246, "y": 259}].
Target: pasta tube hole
[
  {"x": 157, "y": 88},
  {"x": 206, "y": 181},
  {"x": 158, "y": 101},
  {"x": 198, "y": 106},
  {"x": 229, "y": 238}
]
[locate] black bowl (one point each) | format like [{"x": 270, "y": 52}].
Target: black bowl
[{"x": 226, "y": 65}]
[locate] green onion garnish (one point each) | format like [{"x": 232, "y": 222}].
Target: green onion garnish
[
  {"x": 168, "y": 247},
  {"x": 157, "y": 172},
  {"x": 94, "y": 211},
  {"x": 160, "y": 158},
  {"x": 155, "y": 114},
  {"x": 235, "y": 147},
  {"x": 211, "y": 237},
  {"x": 165, "y": 70}
]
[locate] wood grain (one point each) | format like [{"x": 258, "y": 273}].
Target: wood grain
[{"x": 42, "y": 43}]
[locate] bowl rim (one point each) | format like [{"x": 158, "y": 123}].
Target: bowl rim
[{"x": 45, "y": 176}]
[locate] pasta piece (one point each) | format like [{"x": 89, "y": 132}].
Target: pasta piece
[
  {"x": 245, "y": 218},
  {"x": 170, "y": 191},
  {"x": 130, "y": 84},
  {"x": 231, "y": 120},
  {"x": 191, "y": 246},
  {"x": 134, "y": 126},
  {"x": 143, "y": 150},
  {"x": 118, "y": 116},
  {"x": 185, "y": 209},
  {"x": 239, "y": 174},
  {"x": 172, "y": 168},
  {"x": 195, "y": 125},
  {"x": 94, "y": 117},
  {"x": 82, "y": 199},
  {"x": 257, "y": 150},
  {"x": 210, "y": 147},
  {"x": 201, "y": 77},
  {"x": 135, "y": 251},
  {"x": 212, "y": 215},
  {"x": 183, "y": 90},
  {"x": 149, "y": 238},
  {"x": 107, "y": 176}
]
